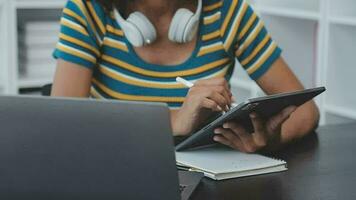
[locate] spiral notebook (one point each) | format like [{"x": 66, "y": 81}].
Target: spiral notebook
[{"x": 221, "y": 163}]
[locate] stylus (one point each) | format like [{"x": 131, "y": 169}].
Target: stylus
[{"x": 184, "y": 82}]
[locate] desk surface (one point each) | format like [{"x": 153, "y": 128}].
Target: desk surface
[{"x": 321, "y": 166}]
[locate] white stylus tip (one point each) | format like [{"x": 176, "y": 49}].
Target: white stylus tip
[{"x": 184, "y": 82}]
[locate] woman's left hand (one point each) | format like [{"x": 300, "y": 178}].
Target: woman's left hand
[{"x": 267, "y": 133}]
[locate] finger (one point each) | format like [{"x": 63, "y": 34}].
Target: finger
[
  {"x": 222, "y": 140},
  {"x": 259, "y": 135},
  {"x": 224, "y": 92},
  {"x": 245, "y": 137},
  {"x": 276, "y": 121},
  {"x": 215, "y": 82},
  {"x": 210, "y": 104},
  {"x": 234, "y": 139},
  {"x": 218, "y": 98}
]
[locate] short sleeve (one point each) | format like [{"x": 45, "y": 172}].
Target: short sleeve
[
  {"x": 79, "y": 42},
  {"x": 250, "y": 42}
]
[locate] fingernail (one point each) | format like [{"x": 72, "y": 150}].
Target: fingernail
[
  {"x": 226, "y": 125},
  {"x": 215, "y": 138},
  {"x": 217, "y": 131},
  {"x": 227, "y": 107},
  {"x": 219, "y": 108},
  {"x": 253, "y": 115},
  {"x": 292, "y": 109}
]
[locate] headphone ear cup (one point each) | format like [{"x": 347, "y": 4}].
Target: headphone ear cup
[
  {"x": 191, "y": 29},
  {"x": 178, "y": 28},
  {"x": 140, "y": 30}
]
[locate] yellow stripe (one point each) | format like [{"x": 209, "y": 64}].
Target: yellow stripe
[
  {"x": 210, "y": 50},
  {"x": 222, "y": 73},
  {"x": 121, "y": 96},
  {"x": 228, "y": 17},
  {"x": 75, "y": 53},
  {"x": 250, "y": 39},
  {"x": 94, "y": 93},
  {"x": 248, "y": 26},
  {"x": 74, "y": 15},
  {"x": 115, "y": 45},
  {"x": 211, "y": 35},
  {"x": 114, "y": 30},
  {"x": 212, "y": 19},
  {"x": 81, "y": 6},
  {"x": 78, "y": 28},
  {"x": 139, "y": 82},
  {"x": 213, "y": 6},
  {"x": 96, "y": 18},
  {"x": 78, "y": 42},
  {"x": 165, "y": 74},
  {"x": 234, "y": 29},
  {"x": 256, "y": 66},
  {"x": 256, "y": 50}
]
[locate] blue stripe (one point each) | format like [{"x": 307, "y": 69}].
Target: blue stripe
[
  {"x": 73, "y": 59},
  {"x": 268, "y": 64},
  {"x": 137, "y": 90}
]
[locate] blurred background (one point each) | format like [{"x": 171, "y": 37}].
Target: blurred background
[{"x": 318, "y": 38}]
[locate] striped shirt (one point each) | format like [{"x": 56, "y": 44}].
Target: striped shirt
[{"x": 228, "y": 29}]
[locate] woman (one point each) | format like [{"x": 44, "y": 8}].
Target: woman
[{"x": 97, "y": 57}]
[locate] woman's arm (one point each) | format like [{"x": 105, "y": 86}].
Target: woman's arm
[
  {"x": 71, "y": 80},
  {"x": 279, "y": 78}
]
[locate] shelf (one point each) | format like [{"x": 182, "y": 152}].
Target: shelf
[
  {"x": 341, "y": 111},
  {"x": 298, "y": 41},
  {"x": 340, "y": 69},
  {"x": 343, "y": 20},
  {"x": 343, "y": 8},
  {"x": 290, "y": 5},
  {"x": 40, "y": 4},
  {"x": 3, "y": 42},
  {"x": 26, "y": 82},
  {"x": 288, "y": 12}
]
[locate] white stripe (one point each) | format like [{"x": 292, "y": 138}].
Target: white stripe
[
  {"x": 115, "y": 41},
  {"x": 73, "y": 23},
  {"x": 211, "y": 45},
  {"x": 250, "y": 35},
  {"x": 97, "y": 93},
  {"x": 162, "y": 83},
  {"x": 81, "y": 27},
  {"x": 212, "y": 16},
  {"x": 272, "y": 45},
  {"x": 216, "y": 73},
  {"x": 235, "y": 23},
  {"x": 75, "y": 50},
  {"x": 136, "y": 79}
]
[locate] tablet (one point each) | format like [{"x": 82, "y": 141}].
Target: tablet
[{"x": 265, "y": 107}]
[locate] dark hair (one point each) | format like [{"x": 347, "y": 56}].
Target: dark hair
[{"x": 109, "y": 4}]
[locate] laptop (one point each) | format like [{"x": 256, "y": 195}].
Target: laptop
[{"x": 88, "y": 149}]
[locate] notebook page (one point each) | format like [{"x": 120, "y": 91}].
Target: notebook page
[{"x": 218, "y": 160}]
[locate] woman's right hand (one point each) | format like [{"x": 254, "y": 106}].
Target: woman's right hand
[{"x": 203, "y": 99}]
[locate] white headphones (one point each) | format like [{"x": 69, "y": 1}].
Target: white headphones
[{"x": 139, "y": 31}]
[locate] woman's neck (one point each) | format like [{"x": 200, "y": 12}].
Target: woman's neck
[{"x": 155, "y": 7}]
